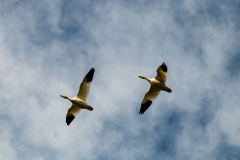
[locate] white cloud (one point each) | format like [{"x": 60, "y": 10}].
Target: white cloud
[{"x": 122, "y": 41}]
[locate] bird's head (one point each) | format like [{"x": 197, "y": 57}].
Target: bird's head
[
  {"x": 164, "y": 67},
  {"x": 63, "y": 96},
  {"x": 142, "y": 77}
]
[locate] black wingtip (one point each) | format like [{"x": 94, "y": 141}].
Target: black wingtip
[
  {"x": 141, "y": 112},
  {"x": 145, "y": 106},
  {"x": 69, "y": 119},
  {"x": 164, "y": 67},
  {"x": 90, "y": 74}
]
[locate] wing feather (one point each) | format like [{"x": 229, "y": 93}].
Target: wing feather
[
  {"x": 72, "y": 113},
  {"x": 162, "y": 73},
  {"x": 148, "y": 98},
  {"x": 85, "y": 85},
  {"x": 152, "y": 94}
]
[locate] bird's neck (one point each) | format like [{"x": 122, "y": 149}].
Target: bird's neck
[
  {"x": 66, "y": 97},
  {"x": 143, "y": 77},
  {"x": 70, "y": 99}
]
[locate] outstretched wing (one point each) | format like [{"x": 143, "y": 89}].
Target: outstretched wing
[
  {"x": 148, "y": 98},
  {"x": 162, "y": 73},
  {"x": 72, "y": 113},
  {"x": 85, "y": 85}
]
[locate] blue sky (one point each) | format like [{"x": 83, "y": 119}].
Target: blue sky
[{"x": 47, "y": 48}]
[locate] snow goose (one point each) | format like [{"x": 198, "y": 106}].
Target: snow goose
[
  {"x": 157, "y": 84},
  {"x": 79, "y": 102}
]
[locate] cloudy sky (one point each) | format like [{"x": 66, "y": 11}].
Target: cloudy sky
[{"x": 47, "y": 47}]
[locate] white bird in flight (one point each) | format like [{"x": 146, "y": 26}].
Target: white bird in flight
[
  {"x": 157, "y": 84},
  {"x": 79, "y": 102}
]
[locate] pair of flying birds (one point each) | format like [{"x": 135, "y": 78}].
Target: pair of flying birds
[{"x": 80, "y": 101}]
